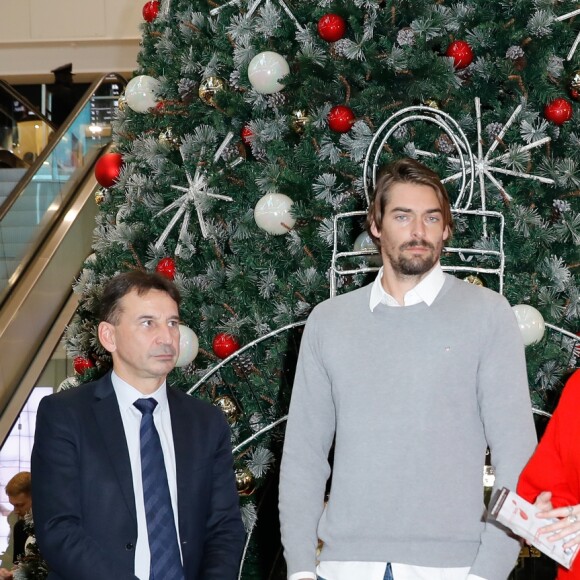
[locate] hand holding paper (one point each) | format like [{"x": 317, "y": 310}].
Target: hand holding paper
[
  {"x": 556, "y": 539},
  {"x": 567, "y": 526},
  {"x": 544, "y": 501}
]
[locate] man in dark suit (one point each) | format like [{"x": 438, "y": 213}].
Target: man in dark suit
[{"x": 91, "y": 509}]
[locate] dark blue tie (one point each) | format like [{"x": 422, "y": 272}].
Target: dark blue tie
[{"x": 165, "y": 556}]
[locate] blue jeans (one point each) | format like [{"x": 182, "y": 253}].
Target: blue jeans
[{"x": 388, "y": 574}]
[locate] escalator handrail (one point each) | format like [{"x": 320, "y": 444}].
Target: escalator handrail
[
  {"x": 8, "y": 88},
  {"x": 44, "y": 293},
  {"x": 54, "y": 141}
]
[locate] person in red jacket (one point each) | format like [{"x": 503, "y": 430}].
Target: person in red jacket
[{"x": 551, "y": 478}]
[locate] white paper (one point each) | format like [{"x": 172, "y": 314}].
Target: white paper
[{"x": 519, "y": 515}]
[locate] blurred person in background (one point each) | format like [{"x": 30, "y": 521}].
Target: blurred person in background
[{"x": 19, "y": 492}]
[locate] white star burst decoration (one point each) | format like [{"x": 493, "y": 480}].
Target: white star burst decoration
[
  {"x": 577, "y": 41},
  {"x": 254, "y": 6},
  {"x": 486, "y": 166},
  {"x": 195, "y": 194}
]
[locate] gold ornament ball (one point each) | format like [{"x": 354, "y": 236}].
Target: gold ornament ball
[
  {"x": 575, "y": 85},
  {"x": 228, "y": 407},
  {"x": 475, "y": 280},
  {"x": 245, "y": 482},
  {"x": 209, "y": 88},
  {"x": 99, "y": 197},
  {"x": 168, "y": 138},
  {"x": 432, "y": 103},
  {"x": 299, "y": 120},
  {"x": 122, "y": 103}
]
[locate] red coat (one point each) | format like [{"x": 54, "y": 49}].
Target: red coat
[{"x": 555, "y": 465}]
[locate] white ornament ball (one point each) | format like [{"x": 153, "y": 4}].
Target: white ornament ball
[
  {"x": 141, "y": 93},
  {"x": 365, "y": 242},
  {"x": 272, "y": 214},
  {"x": 531, "y": 323},
  {"x": 264, "y": 71},
  {"x": 188, "y": 346}
]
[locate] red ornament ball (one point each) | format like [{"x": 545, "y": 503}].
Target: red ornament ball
[
  {"x": 81, "y": 364},
  {"x": 558, "y": 111},
  {"x": 166, "y": 267},
  {"x": 461, "y": 53},
  {"x": 575, "y": 94},
  {"x": 331, "y": 27},
  {"x": 151, "y": 10},
  {"x": 108, "y": 168},
  {"x": 341, "y": 119},
  {"x": 247, "y": 134},
  {"x": 224, "y": 344}
]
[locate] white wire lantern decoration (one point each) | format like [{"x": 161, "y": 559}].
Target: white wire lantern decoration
[
  {"x": 469, "y": 170},
  {"x": 461, "y": 206}
]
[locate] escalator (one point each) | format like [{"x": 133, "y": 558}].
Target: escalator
[
  {"x": 46, "y": 226},
  {"x": 24, "y": 133}
]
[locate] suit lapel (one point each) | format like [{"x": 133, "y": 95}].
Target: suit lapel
[
  {"x": 180, "y": 426},
  {"x": 108, "y": 416}
]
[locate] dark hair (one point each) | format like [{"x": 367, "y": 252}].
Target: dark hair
[
  {"x": 20, "y": 483},
  {"x": 405, "y": 171},
  {"x": 142, "y": 282}
]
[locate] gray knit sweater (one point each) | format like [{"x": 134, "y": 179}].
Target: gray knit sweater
[{"x": 413, "y": 396}]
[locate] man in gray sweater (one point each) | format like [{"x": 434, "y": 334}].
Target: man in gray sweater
[{"x": 412, "y": 378}]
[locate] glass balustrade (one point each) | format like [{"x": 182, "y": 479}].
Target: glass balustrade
[
  {"x": 24, "y": 131},
  {"x": 30, "y": 208}
]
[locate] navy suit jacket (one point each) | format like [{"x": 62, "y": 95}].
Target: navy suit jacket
[{"x": 82, "y": 489}]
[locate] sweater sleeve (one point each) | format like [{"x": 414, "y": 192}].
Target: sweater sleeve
[
  {"x": 505, "y": 409},
  {"x": 305, "y": 467},
  {"x": 545, "y": 471}
]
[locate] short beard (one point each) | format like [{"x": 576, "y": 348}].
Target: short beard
[{"x": 417, "y": 265}]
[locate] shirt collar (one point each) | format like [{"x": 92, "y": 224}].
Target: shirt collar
[
  {"x": 426, "y": 291},
  {"x": 127, "y": 395}
]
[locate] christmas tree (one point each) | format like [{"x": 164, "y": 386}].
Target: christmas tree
[
  {"x": 245, "y": 152},
  {"x": 31, "y": 565}
]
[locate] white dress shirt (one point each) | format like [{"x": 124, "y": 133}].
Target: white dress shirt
[
  {"x": 426, "y": 291},
  {"x": 131, "y": 416}
]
